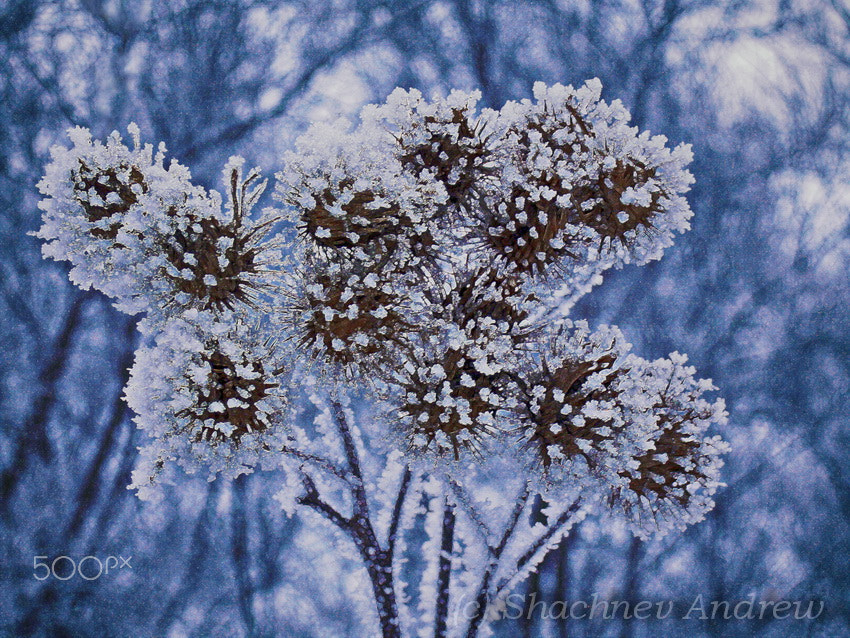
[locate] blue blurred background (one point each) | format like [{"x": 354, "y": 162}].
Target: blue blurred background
[{"x": 757, "y": 294}]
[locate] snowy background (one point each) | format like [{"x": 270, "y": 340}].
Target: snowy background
[{"x": 757, "y": 294}]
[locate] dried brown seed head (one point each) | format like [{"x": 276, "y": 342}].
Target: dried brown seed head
[
  {"x": 350, "y": 320},
  {"x": 526, "y": 229},
  {"x": 488, "y": 293},
  {"x": 360, "y": 221},
  {"x": 459, "y": 159},
  {"x": 449, "y": 405},
  {"x": 553, "y": 416},
  {"x": 229, "y": 399},
  {"x": 113, "y": 187},
  {"x": 368, "y": 226},
  {"x": 219, "y": 263},
  {"x": 221, "y": 259},
  {"x": 599, "y": 203},
  {"x": 664, "y": 472},
  {"x": 528, "y": 232}
]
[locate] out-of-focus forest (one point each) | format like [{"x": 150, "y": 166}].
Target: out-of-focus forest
[{"x": 757, "y": 294}]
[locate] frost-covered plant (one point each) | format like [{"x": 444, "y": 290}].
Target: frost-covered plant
[{"x": 422, "y": 263}]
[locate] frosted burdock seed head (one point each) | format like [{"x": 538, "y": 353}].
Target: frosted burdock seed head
[
  {"x": 449, "y": 389},
  {"x": 671, "y": 483},
  {"x": 227, "y": 402},
  {"x": 346, "y": 217},
  {"x": 144, "y": 234},
  {"x": 104, "y": 211},
  {"x": 560, "y": 423},
  {"x": 348, "y": 319},
  {"x": 445, "y": 404},
  {"x": 352, "y": 201},
  {"x": 569, "y": 396},
  {"x": 210, "y": 394},
  {"x": 546, "y": 148},
  {"x": 665, "y": 472},
  {"x": 107, "y": 192},
  {"x": 219, "y": 262},
  {"x": 445, "y": 139},
  {"x": 487, "y": 294},
  {"x": 619, "y": 201},
  {"x": 366, "y": 226}
]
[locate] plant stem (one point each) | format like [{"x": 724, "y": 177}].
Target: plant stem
[
  {"x": 377, "y": 560},
  {"x": 444, "y": 570}
]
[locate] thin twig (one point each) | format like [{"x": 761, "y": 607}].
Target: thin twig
[
  {"x": 347, "y": 440},
  {"x": 541, "y": 543},
  {"x": 319, "y": 461},
  {"x": 312, "y": 500},
  {"x": 512, "y": 523},
  {"x": 482, "y": 600},
  {"x": 480, "y": 525},
  {"x": 392, "y": 534}
]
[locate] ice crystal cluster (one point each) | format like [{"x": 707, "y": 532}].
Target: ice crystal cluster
[{"x": 424, "y": 259}]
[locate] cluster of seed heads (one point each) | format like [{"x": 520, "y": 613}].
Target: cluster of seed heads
[{"x": 424, "y": 252}]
